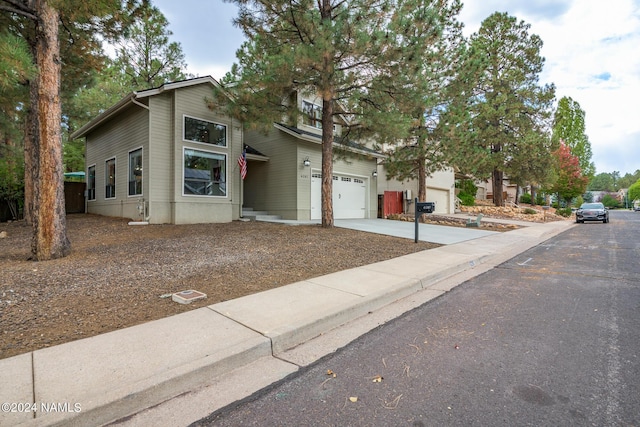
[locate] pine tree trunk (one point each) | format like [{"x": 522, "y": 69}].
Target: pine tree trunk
[
  {"x": 327, "y": 127},
  {"x": 49, "y": 217},
  {"x": 327, "y": 163},
  {"x": 497, "y": 188}
]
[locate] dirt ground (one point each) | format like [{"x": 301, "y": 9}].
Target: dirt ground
[{"x": 119, "y": 275}]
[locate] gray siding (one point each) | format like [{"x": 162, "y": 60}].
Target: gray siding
[
  {"x": 190, "y": 209},
  {"x": 161, "y": 144},
  {"x": 272, "y": 186},
  {"x": 125, "y": 132}
]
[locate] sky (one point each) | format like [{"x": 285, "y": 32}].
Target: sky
[{"x": 591, "y": 50}]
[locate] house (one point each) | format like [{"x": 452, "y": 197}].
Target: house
[
  {"x": 440, "y": 189},
  {"x": 162, "y": 156},
  {"x": 289, "y": 183}
]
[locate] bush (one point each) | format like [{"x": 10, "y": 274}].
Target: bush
[
  {"x": 525, "y": 198},
  {"x": 530, "y": 211},
  {"x": 540, "y": 199},
  {"x": 466, "y": 199},
  {"x": 565, "y": 212},
  {"x": 610, "y": 201}
]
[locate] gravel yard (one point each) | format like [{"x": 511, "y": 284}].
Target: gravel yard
[{"x": 117, "y": 273}]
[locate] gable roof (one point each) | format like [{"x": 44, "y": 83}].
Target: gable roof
[{"x": 135, "y": 97}]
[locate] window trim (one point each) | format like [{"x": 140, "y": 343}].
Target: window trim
[
  {"x": 208, "y": 144},
  {"x": 226, "y": 172},
  {"x": 129, "y": 177},
  {"x": 89, "y": 199},
  {"x": 106, "y": 177}
]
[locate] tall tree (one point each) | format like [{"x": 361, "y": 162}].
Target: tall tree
[
  {"x": 350, "y": 53},
  {"x": 43, "y": 143},
  {"x": 569, "y": 126},
  {"x": 145, "y": 55},
  {"x": 601, "y": 182},
  {"x": 570, "y": 180},
  {"x": 503, "y": 111},
  {"x": 420, "y": 155}
]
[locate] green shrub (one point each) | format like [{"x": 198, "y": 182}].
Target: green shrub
[
  {"x": 610, "y": 201},
  {"x": 565, "y": 212},
  {"x": 540, "y": 199},
  {"x": 525, "y": 198},
  {"x": 530, "y": 211},
  {"x": 466, "y": 199}
]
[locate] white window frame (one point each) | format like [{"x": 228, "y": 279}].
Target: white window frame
[
  {"x": 226, "y": 173},
  {"x": 131, "y": 178},
  {"x": 106, "y": 177},
  {"x": 210, "y": 144}
]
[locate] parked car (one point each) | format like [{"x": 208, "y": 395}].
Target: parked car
[{"x": 592, "y": 212}]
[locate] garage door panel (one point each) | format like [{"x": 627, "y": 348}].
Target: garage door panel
[{"x": 349, "y": 197}]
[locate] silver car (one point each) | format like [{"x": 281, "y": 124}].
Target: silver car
[{"x": 592, "y": 212}]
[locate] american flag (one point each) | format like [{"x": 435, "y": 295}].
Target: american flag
[{"x": 242, "y": 162}]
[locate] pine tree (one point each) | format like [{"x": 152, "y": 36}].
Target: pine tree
[
  {"x": 504, "y": 112},
  {"x": 40, "y": 22},
  {"x": 354, "y": 54},
  {"x": 421, "y": 154}
]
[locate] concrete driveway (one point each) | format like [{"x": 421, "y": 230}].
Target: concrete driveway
[{"x": 426, "y": 232}]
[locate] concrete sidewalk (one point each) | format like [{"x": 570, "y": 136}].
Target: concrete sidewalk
[{"x": 186, "y": 366}]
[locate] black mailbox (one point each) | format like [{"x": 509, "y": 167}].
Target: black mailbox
[{"x": 426, "y": 207}]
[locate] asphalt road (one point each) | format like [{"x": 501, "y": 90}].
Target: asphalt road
[{"x": 549, "y": 338}]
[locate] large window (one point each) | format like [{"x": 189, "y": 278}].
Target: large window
[
  {"x": 91, "y": 182},
  {"x": 205, "y": 173},
  {"x": 312, "y": 114},
  {"x": 135, "y": 172},
  {"x": 198, "y": 130},
  {"x": 110, "y": 179}
]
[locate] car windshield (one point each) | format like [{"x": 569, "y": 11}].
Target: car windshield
[{"x": 592, "y": 206}]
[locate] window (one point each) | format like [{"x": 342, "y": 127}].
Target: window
[
  {"x": 205, "y": 173},
  {"x": 91, "y": 182},
  {"x": 135, "y": 172},
  {"x": 110, "y": 179},
  {"x": 203, "y": 131},
  {"x": 312, "y": 114}
]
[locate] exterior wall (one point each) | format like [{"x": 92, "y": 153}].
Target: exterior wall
[
  {"x": 190, "y": 209},
  {"x": 272, "y": 186},
  {"x": 127, "y": 131},
  {"x": 161, "y": 187},
  {"x": 282, "y": 186}
]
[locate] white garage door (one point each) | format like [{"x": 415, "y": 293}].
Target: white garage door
[
  {"x": 349, "y": 196},
  {"x": 441, "y": 199}
]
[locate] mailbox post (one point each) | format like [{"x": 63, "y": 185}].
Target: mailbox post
[{"x": 424, "y": 207}]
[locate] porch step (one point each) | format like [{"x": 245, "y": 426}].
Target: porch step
[{"x": 250, "y": 214}]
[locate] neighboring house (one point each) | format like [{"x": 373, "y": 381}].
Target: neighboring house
[
  {"x": 162, "y": 156},
  {"x": 440, "y": 189},
  {"x": 509, "y": 190}
]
